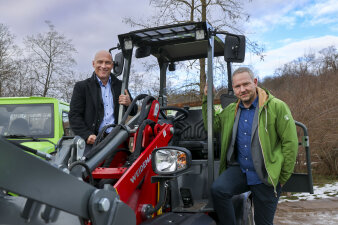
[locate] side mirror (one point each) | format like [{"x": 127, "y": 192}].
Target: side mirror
[
  {"x": 143, "y": 51},
  {"x": 234, "y": 50},
  {"x": 170, "y": 160},
  {"x": 118, "y": 64}
]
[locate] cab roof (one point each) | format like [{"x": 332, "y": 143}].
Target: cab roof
[
  {"x": 177, "y": 42},
  {"x": 30, "y": 100}
]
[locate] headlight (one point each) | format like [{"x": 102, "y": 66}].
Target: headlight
[
  {"x": 200, "y": 34},
  {"x": 128, "y": 44},
  {"x": 170, "y": 160}
]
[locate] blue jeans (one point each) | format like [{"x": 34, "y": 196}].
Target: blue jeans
[{"x": 233, "y": 182}]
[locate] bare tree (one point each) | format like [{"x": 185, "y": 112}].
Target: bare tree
[
  {"x": 138, "y": 86},
  {"x": 329, "y": 58},
  {"x": 65, "y": 87},
  {"x": 51, "y": 60},
  {"x": 309, "y": 86},
  {"x": 222, "y": 14},
  {"x": 19, "y": 83},
  {"x": 7, "y": 65}
]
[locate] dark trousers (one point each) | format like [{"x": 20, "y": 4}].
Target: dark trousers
[{"x": 233, "y": 182}]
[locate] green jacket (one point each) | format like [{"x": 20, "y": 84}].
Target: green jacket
[{"x": 276, "y": 130}]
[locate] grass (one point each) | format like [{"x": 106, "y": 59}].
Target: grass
[
  {"x": 321, "y": 180},
  {"x": 290, "y": 197},
  {"x": 332, "y": 195}
]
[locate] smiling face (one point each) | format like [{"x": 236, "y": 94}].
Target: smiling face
[
  {"x": 245, "y": 88},
  {"x": 103, "y": 64}
]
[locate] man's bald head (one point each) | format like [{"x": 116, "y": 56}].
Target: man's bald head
[
  {"x": 102, "y": 53},
  {"x": 103, "y": 64}
]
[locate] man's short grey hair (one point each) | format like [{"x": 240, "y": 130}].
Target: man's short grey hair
[{"x": 242, "y": 70}]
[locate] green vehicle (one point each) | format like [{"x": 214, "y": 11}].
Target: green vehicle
[{"x": 35, "y": 122}]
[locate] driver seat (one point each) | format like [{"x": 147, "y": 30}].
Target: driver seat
[
  {"x": 19, "y": 126},
  {"x": 194, "y": 136},
  {"x": 47, "y": 127}
]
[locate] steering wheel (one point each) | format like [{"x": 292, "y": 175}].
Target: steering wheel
[{"x": 177, "y": 117}]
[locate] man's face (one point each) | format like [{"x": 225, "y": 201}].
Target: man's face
[
  {"x": 103, "y": 64},
  {"x": 245, "y": 87}
]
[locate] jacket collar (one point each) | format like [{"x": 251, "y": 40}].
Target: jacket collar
[
  {"x": 100, "y": 82},
  {"x": 263, "y": 96},
  {"x": 94, "y": 78}
]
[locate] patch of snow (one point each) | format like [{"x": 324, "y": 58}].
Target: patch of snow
[{"x": 326, "y": 191}]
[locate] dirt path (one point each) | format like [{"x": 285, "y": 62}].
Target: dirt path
[{"x": 311, "y": 212}]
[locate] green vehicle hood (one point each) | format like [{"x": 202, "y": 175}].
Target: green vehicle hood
[{"x": 42, "y": 146}]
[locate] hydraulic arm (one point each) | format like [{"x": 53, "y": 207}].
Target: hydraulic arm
[{"x": 40, "y": 182}]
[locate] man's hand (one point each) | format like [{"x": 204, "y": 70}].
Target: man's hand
[
  {"x": 91, "y": 139},
  {"x": 124, "y": 99}
]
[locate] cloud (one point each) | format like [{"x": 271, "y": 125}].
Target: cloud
[
  {"x": 321, "y": 12},
  {"x": 267, "y": 14},
  {"x": 92, "y": 25},
  {"x": 100, "y": 26},
  {"x": 26, "y": 17},
  {"x": 277, "y": 57},
  {"x": 285, "y": 41},
  {"x": 267, "y": 22},
  {"x": 323, "y": 8}
]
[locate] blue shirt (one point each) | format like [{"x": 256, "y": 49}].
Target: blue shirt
[
  {"x": 243, "y": 142},
  {"x": 108, "y": 104}
]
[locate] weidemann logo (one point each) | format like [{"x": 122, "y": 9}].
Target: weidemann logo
[{"x": 140, "y": 169}]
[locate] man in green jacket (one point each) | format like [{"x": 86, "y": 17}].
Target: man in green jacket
[{"x": 259, "y": 148}]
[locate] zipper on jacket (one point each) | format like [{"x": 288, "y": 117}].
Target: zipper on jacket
[{"x": 274, "y": 187}]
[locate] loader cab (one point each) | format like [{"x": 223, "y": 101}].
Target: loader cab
[
  {"x": 190, "y": 191},
  {"x": 170, "y": 45}
]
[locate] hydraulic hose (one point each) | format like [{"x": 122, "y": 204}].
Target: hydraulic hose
[
  {"x": 144, "y": 112},
  {"x": 131, "y": 106},
  {"x": 34, "y": 151},
  {"x": 138, "y": 146},
  {"x": 83, "y": 164},
  {"x": 163, "y": 195},
  {"x": 99, "y": 136},
  {"x": 117, "y": 136}
]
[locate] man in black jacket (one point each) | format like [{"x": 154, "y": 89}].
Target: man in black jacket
[{"x": 95, "y": 101}]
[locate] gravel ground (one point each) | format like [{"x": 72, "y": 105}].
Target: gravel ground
[
  {"x": 320, "y": 208},
  {"x": 310, "y": 212}
]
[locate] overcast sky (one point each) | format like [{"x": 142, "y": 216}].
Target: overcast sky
[{"x": 287, "y": 29}]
